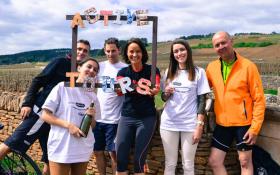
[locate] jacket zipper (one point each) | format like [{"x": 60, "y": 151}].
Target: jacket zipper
[{"x": 245, "y": 111}]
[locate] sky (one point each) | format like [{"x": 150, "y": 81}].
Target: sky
[{"x": 41, "y": 24}]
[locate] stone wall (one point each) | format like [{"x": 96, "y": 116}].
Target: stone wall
[
  {"x": 269, "y": 138},
  {"x": 9, "y": 116},
  {"x": 270, "y": 82}
]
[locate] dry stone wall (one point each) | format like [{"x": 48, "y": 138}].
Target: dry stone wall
[
  {"x": 9, "y": 116},
  {"x": 270, "y": 82}
]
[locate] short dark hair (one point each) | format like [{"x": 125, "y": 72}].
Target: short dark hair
[
  {"x": 137, "y": 41},
  {"x": 112, "y": 40},
  {"x": 80, "y": 63},
  {"x": 86, "y": 42}
]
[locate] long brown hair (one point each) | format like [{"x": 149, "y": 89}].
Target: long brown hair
[{"x": 173, "y": 63}]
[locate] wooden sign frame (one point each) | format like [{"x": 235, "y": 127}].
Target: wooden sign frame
[{"x": 153, "y": 19}]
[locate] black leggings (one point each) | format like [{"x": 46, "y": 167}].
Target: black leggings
[{"x": 137, "y": 131}]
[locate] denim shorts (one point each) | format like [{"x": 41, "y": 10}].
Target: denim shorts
[{"x": 105, "y": 135}]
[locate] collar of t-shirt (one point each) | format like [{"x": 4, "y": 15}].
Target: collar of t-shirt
[{"x": 226, "y": 68}]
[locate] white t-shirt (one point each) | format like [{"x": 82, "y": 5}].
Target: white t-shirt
[
  {"x": 110, "y": 102},
  {"x": 180, "y": 111},
  {"x": 70, "y": 104}
]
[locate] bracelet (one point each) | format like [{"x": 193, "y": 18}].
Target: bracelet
[{"x": 199, "y": 122}]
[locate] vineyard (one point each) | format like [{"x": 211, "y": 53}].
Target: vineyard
[{"x": 17, "y": 78}]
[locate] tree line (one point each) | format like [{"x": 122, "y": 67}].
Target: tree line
[{"x": 48, "y": 55}]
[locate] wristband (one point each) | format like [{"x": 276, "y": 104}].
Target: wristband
[{"x": 199, "y": 122}]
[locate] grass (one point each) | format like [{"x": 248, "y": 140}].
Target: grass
[
  {"x": 236, "y": 45},
  {"x": 252, "y": 44},
  {"x": 271, "y": 91},
  {"x": 201, "y": 46},
  {"x": 159, "y": 103},
  {"x": 16, "y": 164}
]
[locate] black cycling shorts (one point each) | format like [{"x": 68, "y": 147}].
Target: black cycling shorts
[{"x": 224, "y": 136}]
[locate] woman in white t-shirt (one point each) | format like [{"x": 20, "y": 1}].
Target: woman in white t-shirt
[
  {"x": 185, "y": 87},
  {"x": 68, "y": 151}
]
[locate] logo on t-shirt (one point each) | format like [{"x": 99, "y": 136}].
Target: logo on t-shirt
[
  {"x": 80, "y": 105},
  {"x": 81, "y": 114},
  {"x": 177, "y": 83}
]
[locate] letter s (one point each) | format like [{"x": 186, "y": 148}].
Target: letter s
[{"x": 143, "y": 86}]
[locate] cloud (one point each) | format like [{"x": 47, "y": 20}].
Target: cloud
[{"x": 32, "y": 24}]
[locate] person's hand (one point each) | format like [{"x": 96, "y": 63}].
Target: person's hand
[
  {"x": 91, "y": 111},
  {"x": 46, "y": 169},
  {"x": 250, "y": 138},
  {"x": 118, "y": 90},
  {"x": 154, "y": 91},
  {"x": 169, "y": 90},
  {"x": 74, "y": 130},
  {"x": 25, "y": 111},
  {"x": 197, "y": 134}
]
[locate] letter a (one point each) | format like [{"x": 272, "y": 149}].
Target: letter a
[{"x": 77, "y": 21}]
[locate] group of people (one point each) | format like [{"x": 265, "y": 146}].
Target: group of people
[{"x": 53, "y": 112}]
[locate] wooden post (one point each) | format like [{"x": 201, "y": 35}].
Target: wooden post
[
  {"x": 74, "y": 49},
  {"x": 154, "y": 50}
]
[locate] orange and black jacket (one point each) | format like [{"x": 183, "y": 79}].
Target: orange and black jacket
[{"x": 240, "y": 101}]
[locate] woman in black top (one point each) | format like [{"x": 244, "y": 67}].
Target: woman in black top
[{"x": 138, "y": 120}]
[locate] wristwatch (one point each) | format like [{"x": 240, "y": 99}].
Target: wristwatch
[{"x": 199, "y": 122}]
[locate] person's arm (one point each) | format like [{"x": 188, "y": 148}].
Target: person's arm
[
  {"x": 49, "y": 117},
  {"x": 202, "y": 89},
  {"x": 165, "y": 94},
  {"x": 118, "y": 89},
  {"x": 91, "y": 112},
  {"x": 154, "y": 91},
  {"x": 119, "y": 76},
  {"x": 201, "y": 103},
  {"x": 257, "y": 95},
  {"x": 25, "y": 111},
  {"x": 37, "y": 83},
  {"x": 200, "y": 118},
  {"x": 168, "y": 91},
  {"x": 95, "y": 113}
]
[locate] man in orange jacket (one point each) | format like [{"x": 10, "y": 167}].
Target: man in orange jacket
[{"x": 239, "y": 104}]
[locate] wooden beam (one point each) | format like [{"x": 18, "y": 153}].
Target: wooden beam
[{"x": 112, "y": 18}]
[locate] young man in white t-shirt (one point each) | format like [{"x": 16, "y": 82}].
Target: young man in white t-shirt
[{"x": 110, "y": 104}]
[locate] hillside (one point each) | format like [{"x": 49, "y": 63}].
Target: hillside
[
  {"x": 268, "y": 53},
  {"x": 247, "y": 45},
  {"x": 39, "y": 56}
]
